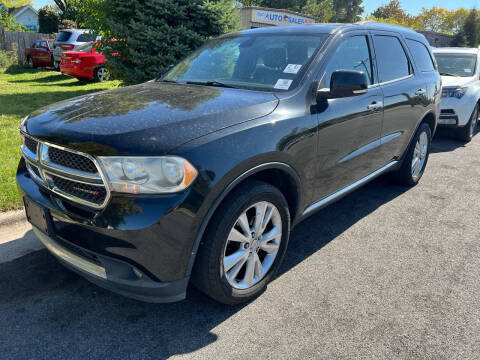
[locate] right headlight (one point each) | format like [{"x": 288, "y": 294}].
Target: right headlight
[{"x": 148, "y": 175}]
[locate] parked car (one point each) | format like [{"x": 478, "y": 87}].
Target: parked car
[
  {"x": 40, "y": 54},
  {"x": 85, "y": 63},
  {"x": 201, "y": 174},
  {"x": 459, "y": 106},
  {"x": 70, "y": 39}
]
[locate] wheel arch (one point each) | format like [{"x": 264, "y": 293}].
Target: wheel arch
[{"x": 278, "y": 174}]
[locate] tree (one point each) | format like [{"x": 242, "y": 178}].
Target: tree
[
  {"x": 320, "y": 10},
  {"x": 442, "y": 20},
  {"x": 143, "y": 37},
  {"x": 8, "y": 21},
  {"x": 392, "y": 10},
  {"x": 470, "y": 28},
  {"x": 16, "y": 3},
  {"x": 293, "y": 5},
  {"x": 48, "y": 20},
  {"x": 347, "y": 11}
]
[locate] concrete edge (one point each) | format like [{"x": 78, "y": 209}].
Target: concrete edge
[{"x": 12, "y": 217}]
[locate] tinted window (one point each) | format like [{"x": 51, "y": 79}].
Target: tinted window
[
  {"x": 391, "y": 58},
  {"x": 263, "y": 61},
  {"x": 63, "y": 36},
  {"x": 421, "y": 55},
  {"x": 43, "y": 44},
  {"x": 36, "y": 45},
  {"x": 84, "y": 38},
  {"x": 456, "y": 64},
  {"x": 352, "y": 54}
]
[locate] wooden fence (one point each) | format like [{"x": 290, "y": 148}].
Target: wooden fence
[{"x": 22, "y": 39}]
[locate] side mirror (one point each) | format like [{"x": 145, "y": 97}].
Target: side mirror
[{"x": 345, "y": 83}]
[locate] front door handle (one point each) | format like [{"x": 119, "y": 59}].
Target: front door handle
[
  {"x": 375, "y": 106},
  {"x": 420, "y": 92}
]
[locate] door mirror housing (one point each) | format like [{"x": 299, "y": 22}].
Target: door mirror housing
[{"x": 345, "y": 83}]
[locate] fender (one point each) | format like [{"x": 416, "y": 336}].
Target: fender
[
  {"x": 430, "y": 111},
  {"x": 226, "y": 191}
]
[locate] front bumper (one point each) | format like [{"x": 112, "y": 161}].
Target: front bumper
[
  {"x": 456, "y": 112},
  {"x": 116, "y": 276},
  {"x": 142, "y": 245}
]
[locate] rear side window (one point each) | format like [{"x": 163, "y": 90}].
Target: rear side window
[
  {"x": 63, "y": 36},
  {"x": 421, "y": 55},
  {"x": 391, "y": 58},
  {"x": 352, "y": 54},
  {"x": 84, "y": 38}
]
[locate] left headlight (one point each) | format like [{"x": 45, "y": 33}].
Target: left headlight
[{"x": 148, "y": 175}]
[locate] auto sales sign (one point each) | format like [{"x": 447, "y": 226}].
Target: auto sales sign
[{"x": 279, "y": 18}]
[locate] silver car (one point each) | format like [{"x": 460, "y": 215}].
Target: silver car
[{"x": 69, "y": 39}]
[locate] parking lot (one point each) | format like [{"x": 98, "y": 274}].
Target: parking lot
[{"x": 387, "y": 272}]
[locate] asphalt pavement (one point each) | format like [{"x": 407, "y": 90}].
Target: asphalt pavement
[{"x": 385, "y": 273}]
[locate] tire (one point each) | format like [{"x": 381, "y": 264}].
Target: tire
[
  {"x": 101, "y": 74},
  {"x": 467, "y": 132},
  {"x": 30, "y": 63},
  {"x": 406, "y": 174},
  {"x": 210, "y": 274}
]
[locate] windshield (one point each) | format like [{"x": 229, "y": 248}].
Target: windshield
[
  {"x": 456, "y": 64},
  {"x": 257, "y": 62}
]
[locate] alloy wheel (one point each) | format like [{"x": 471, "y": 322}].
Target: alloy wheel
[
  {"x": 103, "y": 74},
  {"x": 252, "y": 245},
  {"x": 419, "y": 155}
]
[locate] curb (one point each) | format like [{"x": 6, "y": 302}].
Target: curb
[{"x": 12, "y": 217}]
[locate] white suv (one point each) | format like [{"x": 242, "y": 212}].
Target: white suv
[{"x": 459, "y": 69}]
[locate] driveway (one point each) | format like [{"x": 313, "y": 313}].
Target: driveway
[{"x": 387, "y": 272}]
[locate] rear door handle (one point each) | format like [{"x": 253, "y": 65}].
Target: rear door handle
[
  {"x": 420, "y": 92},
  {"x": 375, "y": 106}
]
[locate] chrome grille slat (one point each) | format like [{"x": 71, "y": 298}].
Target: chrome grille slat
[{"x": 85, "y": 185}]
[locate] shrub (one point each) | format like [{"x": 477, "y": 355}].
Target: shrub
[
  {"x": 153, "y": 34},
  {"x": 8, "y": 59}
]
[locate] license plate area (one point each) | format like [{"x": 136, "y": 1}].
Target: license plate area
[{"x": 38, "y": 216}]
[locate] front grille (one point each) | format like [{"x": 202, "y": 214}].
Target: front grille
[
  {"x": 71, "y": 160},
  {"x": 90, "y": 193},
  {"x": 67, "y": 174},
  {"x": 31, "y": 144},
  {"x": 34, "y": 170},
  {"x": 447, "y": 111}
]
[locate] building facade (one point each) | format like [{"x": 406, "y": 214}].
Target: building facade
[
  {"x": 436, "y": 39},
  {"x": 255, "y": 17}
]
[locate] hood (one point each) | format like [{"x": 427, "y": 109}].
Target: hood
[
  {"x": 146, "y": 119},
  {"x": 456, "y": 81}
]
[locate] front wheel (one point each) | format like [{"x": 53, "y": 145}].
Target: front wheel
[
  {"x": 416, "y": 157},
  {"x": 244, "y": 244},
  {"x": 466, "y": 133}
]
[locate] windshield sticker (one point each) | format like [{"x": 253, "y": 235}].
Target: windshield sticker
[
  {"x": 467, "y": 70},
  {"x": 283, "y": 84},
  {"x": 292, "y": 68}
]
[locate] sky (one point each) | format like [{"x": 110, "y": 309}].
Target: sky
[{"x": 411, "y": 6}]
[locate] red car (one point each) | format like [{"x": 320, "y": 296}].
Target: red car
[
  {"x": 85, "y": 63},
  {"x": 40, "y": 54}
]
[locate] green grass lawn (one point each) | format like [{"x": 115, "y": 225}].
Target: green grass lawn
[{"x": 21, "y": 92}]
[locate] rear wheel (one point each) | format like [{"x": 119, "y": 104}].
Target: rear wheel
[
  {"x": 101, "y": 74},
  {"x": 30, "y": 62},
  {"x": 244, "y": 244},
  {"x": 466, "y": 133},
  {"x": 416, "y": 157}
]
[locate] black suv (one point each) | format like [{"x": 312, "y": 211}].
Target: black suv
[{"x": 201, "y": 174}]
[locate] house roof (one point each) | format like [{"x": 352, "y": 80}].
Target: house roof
[{"x": 18, "y": 11}]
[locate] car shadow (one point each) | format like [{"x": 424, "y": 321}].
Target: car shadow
[
  {"x": 445, "y": 141},
  {"x": 44, "y": 80},
  {"x": 45, "y": 306}
]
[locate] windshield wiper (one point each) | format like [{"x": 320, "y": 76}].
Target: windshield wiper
[
  {"x": 447, "y": 74},
  {"x": 211, "y": 83}
]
